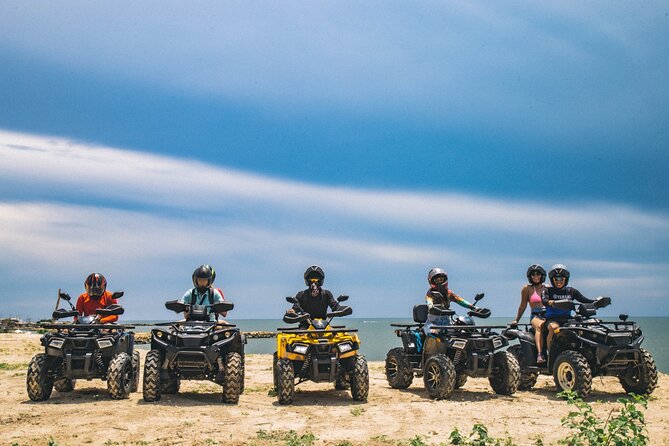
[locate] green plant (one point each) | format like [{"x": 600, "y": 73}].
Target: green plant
[
  {"x": 479, "y": 437},
  {"x": 626, "y": 428},
  {"x": 416, "y": 441},
  {"x": 13, "y": 366},
  {"x": 52, "y": 442},
  {"x": 357, "y": 411},
  {"x": 272, "y": 392}
]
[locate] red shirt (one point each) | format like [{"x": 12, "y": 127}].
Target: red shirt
[{"x": 87, "y": 306}]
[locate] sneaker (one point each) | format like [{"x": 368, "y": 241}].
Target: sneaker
[{"x": 540, "y": 358}]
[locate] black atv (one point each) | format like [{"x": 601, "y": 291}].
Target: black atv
[
  {"x": 84, "y": 350},
  {"x": 195, "y": 349},
  {"x": 585, "y": 347},
  {"x": 451, "y": 353},
  {"x": 319, "y": 352}
]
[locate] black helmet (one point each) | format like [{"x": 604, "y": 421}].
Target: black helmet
[
  {"x": 536, "y": 268},
  {"x": 437, "y": 272},
  {"x": 559, "y": 270},
  {"x": 314, "y": 272},
  {"x": 204, "y": 272},
  {"x": 95, "y": 285}
]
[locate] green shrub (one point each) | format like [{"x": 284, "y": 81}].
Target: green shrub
[{"x": 478, "y": 437}]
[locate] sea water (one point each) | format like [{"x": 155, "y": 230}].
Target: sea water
[{"x": 377, "y": 336}]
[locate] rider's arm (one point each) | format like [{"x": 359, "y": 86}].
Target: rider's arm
[
  {"x": 459, "y": 300},
  {"x": 332, "y": 302},
  {"x": 107, "y": 301},
  {"x": 524, "y": 297},
  {"x": 545, "y": 297},
  {"x": 576, "y": 294}
]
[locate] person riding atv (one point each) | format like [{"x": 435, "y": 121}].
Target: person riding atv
[
  {"x": 584, "y": 347},
  {"x": 91, "y": 347},
  {"x": 316, "y": 350}
]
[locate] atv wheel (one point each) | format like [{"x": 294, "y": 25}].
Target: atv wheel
[
  {"x": 64, "y": 385},
  {"x": 460, "y": 380},
  {"x": 527, "y": 379},
  {"x": 171, "y": 386},
  {"x": 505, "y": 376},
  {"x": 275, "y": 371},
  {"x": 241, "y": 389},
  {"x": 398, "y": 370},
  {"x": 359, "y": 379},
  {"x": 572, "y": 372},
  {"x": 120, "y": 376},
  {"x": 39, "y": 381},
  {"x": 285, "y": 387},
  {"x": 135, "y": 371},
  {"x": 439, "y": 376},
  {"x": 342, "y": 382},
  {"x": 641, "y": 379},
  {"x": 151, "y": 389},
  {"x": 234, "y": 374}
]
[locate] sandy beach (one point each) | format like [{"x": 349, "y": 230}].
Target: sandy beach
[{"x": 196, "y": 415}]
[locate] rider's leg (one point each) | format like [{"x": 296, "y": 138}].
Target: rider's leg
[
  {"x": 538, "y": 324},
  {"x": 552, "y": 326}
]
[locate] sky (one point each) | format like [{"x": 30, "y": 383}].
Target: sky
[{"x": 376, "y": 139}]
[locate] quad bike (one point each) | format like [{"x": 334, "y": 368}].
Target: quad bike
[
  {"x": 195, "y": 349},
  {"x": 451, "y": 353},
  {"x": 84, "y": 350},
  {"x": 319, "y": 353},
  {"x": 585, "y": 347}
]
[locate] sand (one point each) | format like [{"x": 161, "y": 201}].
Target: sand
[{"x": 196, "y": 415}]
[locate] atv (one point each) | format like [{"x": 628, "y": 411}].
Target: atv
[
  {"x": 320, "y": 353},
  {"x": 195, "y": 349},
  {"x": 84, "y": 350},
  {"x": 451, "y": 354},
  {"x": 585, "y": 347}
]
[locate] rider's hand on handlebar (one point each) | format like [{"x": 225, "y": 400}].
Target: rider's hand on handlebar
[{"x": 290, "y": 311}]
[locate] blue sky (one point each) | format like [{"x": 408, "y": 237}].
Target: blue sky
[{"x": 377, "y": 139}]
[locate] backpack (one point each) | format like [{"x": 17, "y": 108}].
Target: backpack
[{"x": 210, "y": 297}]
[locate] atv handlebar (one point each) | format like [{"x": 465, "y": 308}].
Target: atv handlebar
[{"x": 440, "y": 310}]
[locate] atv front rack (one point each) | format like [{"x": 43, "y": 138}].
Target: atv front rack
[
  {"x": 320, "y": 331},
  {"x": 83, "y": 327},
  {"x": 468, "y": 327}
]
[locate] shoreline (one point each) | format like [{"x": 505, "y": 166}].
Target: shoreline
[{"x": 196, "y": 416}]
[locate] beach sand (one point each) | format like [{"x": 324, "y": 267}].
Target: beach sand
[{"x": 196, "y": 415}]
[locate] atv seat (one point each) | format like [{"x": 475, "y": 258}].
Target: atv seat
[{"x": 420, "y": 313}]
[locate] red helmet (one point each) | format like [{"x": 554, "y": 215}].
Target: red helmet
[{"x": 95, "y": 285}]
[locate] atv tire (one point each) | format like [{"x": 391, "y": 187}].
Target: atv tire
[
  {"x": 39, "y": 381},
  {"x": 135, "y": 372},
  {"x": 285, "y": 388},
  {"x": 342, "y": 382},
  {"x": 460, "y": 380},
  {"x": 641, "y": 379},
  {"x": 120, "y": 376},
  {"x": 234, "y": 374},
  {"x": 359, "y": 379},
  {"x": 439, "y": 376},
  {"x": 64, "y": 385},
  {"x": 527, "y": 379},
  {"x": 171, "y": 386},
  {"x": 151, "y": 389},
  {"x": 572, "y": 372},
  {"x": 398, "y": 370},
  {"x": 275, "y": 371},
  {"x": 505, "y": 376}
]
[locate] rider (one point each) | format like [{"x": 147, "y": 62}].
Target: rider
[
  {"x": 315, "y": 300},
  {"x": 439, "y": 294},
  {"x": 555, "y": 317},
  {"x": 96, "y": 296},
  {"x": 202, "y": 293},
  {"x": 531, "y": 294}
]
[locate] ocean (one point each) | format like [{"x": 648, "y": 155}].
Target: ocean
[{"x": 377, "y": 336}]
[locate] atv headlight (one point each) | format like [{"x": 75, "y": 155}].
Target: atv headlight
[
  {"x": 215, "y": 338},
  {"x": 301, "y": 349},
  {"x": 56, "y": 342},
  {"x": 159, "y": 334},
  {"x": 345, "y": 347},
  {"x": 104, "y": 343},
  {"x": 497, "y": 342},
  {"x": 227, "y": 334},
  {"x": 459, "y": 343}
]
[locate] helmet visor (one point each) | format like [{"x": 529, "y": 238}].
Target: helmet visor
[{"x": 439, "y": 279}]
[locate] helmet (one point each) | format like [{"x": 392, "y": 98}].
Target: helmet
[
  {"x": 436, "y": 273},
  {"x": 95, "y": 285},
  {"x": 536, "y": 268},
  {"x": 559, "y": 270},
  {"x": 204, "y": 272},
  {"x": 315, "y": 273}
]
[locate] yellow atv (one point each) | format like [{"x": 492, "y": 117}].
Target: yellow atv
[{"x": 320, "y": 353}]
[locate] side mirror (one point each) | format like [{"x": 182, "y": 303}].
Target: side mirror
[
  {"x": 175, "y": 306},
  {"x": 64, "y": 296},
  {"x": 222, "y": 307},
  {"x": 110, "y": 310},
  {"x": 478, "y": 297},
  {"x": 117, "y": 294},
  {"x": 342, "y": 298},
  {"x": 291, "y": 299},
  {"x": 623, "y": 317}
]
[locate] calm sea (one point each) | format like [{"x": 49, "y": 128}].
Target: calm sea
[{"x": 378, "y": 336}]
